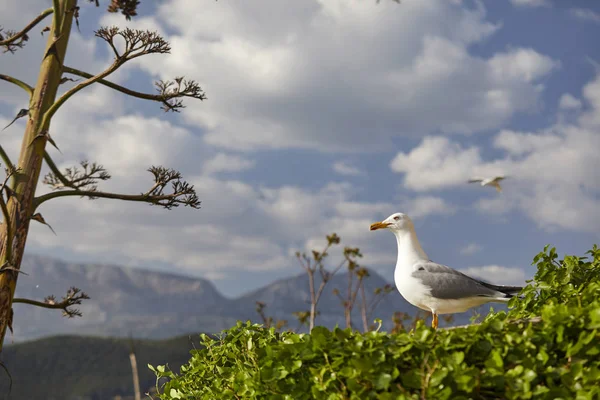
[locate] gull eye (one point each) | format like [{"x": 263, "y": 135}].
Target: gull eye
[{"x": 397, "y": 218}]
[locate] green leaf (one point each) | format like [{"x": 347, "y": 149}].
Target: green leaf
[
  {"x": 383, "y": 381},
  {"x": 594, "y": 316},
  {"x": 437, "y": 377}
]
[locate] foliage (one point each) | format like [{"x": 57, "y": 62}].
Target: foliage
[{"x": 514, "y": 355}]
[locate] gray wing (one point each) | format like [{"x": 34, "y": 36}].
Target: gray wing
[
  {"x": 475, "y": 180},
  {"x": 448, "y": 283}
]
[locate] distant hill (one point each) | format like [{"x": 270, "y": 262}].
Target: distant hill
[
  {"x": 86, "y": 368},
  {"x": 158, "y": 305}
]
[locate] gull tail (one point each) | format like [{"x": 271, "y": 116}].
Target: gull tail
[{"x": 508, "y": 291}]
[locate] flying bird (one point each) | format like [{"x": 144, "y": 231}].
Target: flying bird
[
  {"x": 435, "y": 287},
  {"x": 494, "y": 181}
]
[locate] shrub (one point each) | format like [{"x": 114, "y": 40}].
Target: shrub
[{"x": 545, "y": 347}]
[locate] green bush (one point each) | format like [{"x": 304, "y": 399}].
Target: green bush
[{"x": 546, "y": 347}]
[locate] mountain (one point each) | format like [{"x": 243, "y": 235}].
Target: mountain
[
  {"x": 158, "y": 305},
  {"x": 86, "y": 368}
]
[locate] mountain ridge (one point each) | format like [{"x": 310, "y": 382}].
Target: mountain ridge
[{"x": 151, "y": 304}]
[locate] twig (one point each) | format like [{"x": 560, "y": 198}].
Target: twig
[
  {"x": 74, "y": 297},
  {"x": 55, "y": 170},
  {"x": 8, "y": 41},
  {"x": 80, "y": 179},
  {"x": 105, "y": 195},
  {"x": 18, "y": 82},
  {"x": 183, "y": 193},
  {"x": 164, "y": 97}
]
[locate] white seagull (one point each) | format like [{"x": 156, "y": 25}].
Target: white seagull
[
  {"x": 494, "y": 181},
  {"x": 435, "y": 287}
]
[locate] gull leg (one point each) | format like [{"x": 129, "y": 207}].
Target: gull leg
[{"x": 434, "y": 322}]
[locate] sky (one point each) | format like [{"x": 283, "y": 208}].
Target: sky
[{"x": 325, "y": 116}]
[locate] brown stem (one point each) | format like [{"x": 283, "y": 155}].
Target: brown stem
[
  {"x": 20, "y": 203},
  {"x": 56, "y": 306},
  {"x": 29, "y": 27},
  {"x": 104, "y": 195},
  {"x": 313, "y": 301},
  {"x": 136, "y": 376},
  {"x": 56, "y": 171},
  {"x": 119, "y": 88},
  {"x": 363, "y": 308}
]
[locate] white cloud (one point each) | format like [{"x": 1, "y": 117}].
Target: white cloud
[
  {"x": 498, "y": 275},
  {"x": 552, "y": 173},
  {"x": 343, "y": 168},
  {"x": 585, "y": 14},
  {"x": 569, "y": 102},
  {"x": 422, "y": 206},
  {"x": 437, "y": 163},
  {"x": 470, "y": 249},
  {"x": 521, "y": 64},
  {"x": 291, "y": 81},
  {"x": 529, "y": 3},
  {"x": 223, "y": 162},
  {"x": 520, "y": 143}
]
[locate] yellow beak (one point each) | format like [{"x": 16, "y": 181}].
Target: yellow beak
[{"x": 379, "y": 225}]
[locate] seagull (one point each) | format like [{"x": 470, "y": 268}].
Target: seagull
[
  {"x": 495, "y": 181},
  {"x": 435, "y": 287}
]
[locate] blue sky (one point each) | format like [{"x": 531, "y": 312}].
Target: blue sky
[{"x": 326, "y": 116}]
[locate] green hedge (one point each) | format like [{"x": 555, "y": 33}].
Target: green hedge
[{"x": 555, "y": 357}]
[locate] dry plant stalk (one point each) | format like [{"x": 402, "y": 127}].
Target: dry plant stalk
[{"x": 18, "y": 200}]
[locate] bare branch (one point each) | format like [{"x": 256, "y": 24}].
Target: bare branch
[
  {"x": 168, "y": 91},
  {"x": 56, "y": 172},
  {"x": 9, "y": 165},
  {"x": 9, "y": 42},
  {"x": 181, "y": 192},
  {"x": 79, "y": 179},
  {"x": 19, "y": 83},
  {"x": 137, "y": 42},
  {"x": 73, "y": 297}
]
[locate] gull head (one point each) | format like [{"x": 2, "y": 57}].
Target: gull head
[{"x": 396, "y": 223}]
